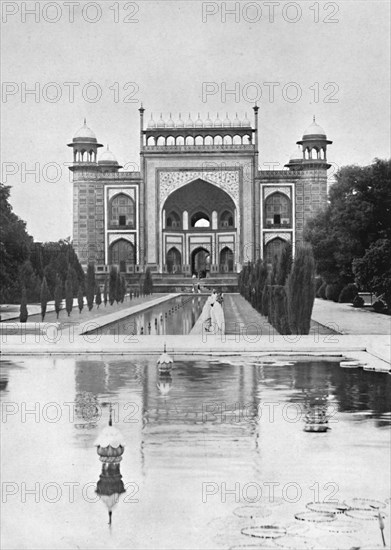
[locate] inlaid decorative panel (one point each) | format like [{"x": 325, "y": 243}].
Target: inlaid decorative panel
[
  {"x": 269, "y": 190},
  {"x": 269, "y": 236}
]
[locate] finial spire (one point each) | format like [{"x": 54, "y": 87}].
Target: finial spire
[
  {"x": 85, "y": 121},
  {"x": 313, "y": 118}
]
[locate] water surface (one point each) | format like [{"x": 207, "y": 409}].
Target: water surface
[{"x": 203, "y": 449}]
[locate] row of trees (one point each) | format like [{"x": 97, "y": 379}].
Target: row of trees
[
  {"x": 351, "y": 238},
  {"x": 284, "y": 292},
  {"x": 25, "y": 263},
  {"x": 114, "y": 290}
]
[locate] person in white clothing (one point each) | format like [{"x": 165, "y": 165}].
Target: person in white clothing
[
  {"x": 217, "y": 315},
  {"x": 206, "y": 314}
]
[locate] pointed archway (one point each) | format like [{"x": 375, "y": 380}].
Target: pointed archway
[
  {"x": 174, "y": 260},
  {"x": 200, "y": 262},
  {"x": 226, "y": 260}
]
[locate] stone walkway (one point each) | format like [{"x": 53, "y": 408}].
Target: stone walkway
[
  {"x": 12, "y": 311},
  {"x": 241, "y": 319},
  {"x": 346, "y": 319}
]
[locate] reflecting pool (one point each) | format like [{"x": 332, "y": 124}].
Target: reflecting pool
[
  {"x": 215, "y": 454},
  {"x": 176, "y": 316}
]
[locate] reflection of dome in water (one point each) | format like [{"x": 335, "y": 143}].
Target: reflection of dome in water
[
  {"x": 165, "y": 362},
  {"x": 110, "y": 444},
  {"x": 110, "y": 486},
  {"x": 164, "y": 383}
]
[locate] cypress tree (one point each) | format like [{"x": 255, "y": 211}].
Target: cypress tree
[
  {"x": 91, "y": 285},
  {"x": 105, "y": 292},
  {"x": 98, "y": 298},
  {"x": 301, "y": 290},
  {"x": 80, "y": 298},
  {"x": 266, "y": 299},
  {"x": 280, "y": 310},
  {"x": 123, "y": 289},
  {"x": 23, "y": 315},
  {"x": 260, "y": 284},
  {"x": 112, "y": 285},
  {"x": 284, "y": 264},
  {"x": 37, "y": 289},
  {"x": 44, "y": 297},
  {"x": 68, "y": 294},
  {"x": 58, "y": 295},
  {"x": 147, "y": 283},
  {"x": 118, "y": 288}
]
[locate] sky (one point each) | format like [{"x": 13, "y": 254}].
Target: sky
[{"x": 100, "y": 60}]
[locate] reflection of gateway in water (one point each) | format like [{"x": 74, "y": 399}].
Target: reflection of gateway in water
[{"x": 316, "y": 418}]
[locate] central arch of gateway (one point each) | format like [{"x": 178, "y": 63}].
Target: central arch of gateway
[{"x": 200, "y": 227}]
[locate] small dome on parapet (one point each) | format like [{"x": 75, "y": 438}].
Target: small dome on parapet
[
  {"x": 107, "y": 157},
  {"x": 217, "y": 122},
  {"x": 160, "y": 122},
  {"x": 180, "y": 123},
  {"x": 170, "y": 123},
  {"x": 208, "y": 122},
  {"x": 198, "y": 122},
  {"x": 189, "y": 123},
  {"x": 151, "y": 123},
  {"x": 227, "y": 122},
  {"x": 246, "y": 122},
  {"x": 236, "y": 122}
]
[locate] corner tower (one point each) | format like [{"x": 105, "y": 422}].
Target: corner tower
[{"x": 310, "y": 164}]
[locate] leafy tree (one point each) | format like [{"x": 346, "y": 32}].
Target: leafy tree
[
  {"x": 301, "y": 290},
  {"x": 44, "y": 297},
  {"x": 58, "y": 295},
  {"x": 80, "y": 299},
  {"x": 23, "y": 315},
  {"x": 30, "y": 281},
  {"x": 373, "y": 270},
  {"x": 358, "y": 214},
  {"x": 15, "y": 244},
  {"x": 105, "y": 292},
  {"x": 91, "y": 285},
  {"x": 347, "y": 294},
  {"x": 69, "y": 294},
  {"x": 333, "y": 290},
  {"x": 98, "y": 297}
]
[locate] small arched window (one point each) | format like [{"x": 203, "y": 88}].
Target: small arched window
[
  {"x": 122, "y": 212},
  {"x": 278, "y": 210},
  {"x": 226, "y": 219},
  {"x": 200, "y": 219},
  {"x": 173, "y": 221}
]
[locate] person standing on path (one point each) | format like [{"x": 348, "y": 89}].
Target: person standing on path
[
  {"x": 217, "y": 315},
  {"x": 206, "y": 314}
]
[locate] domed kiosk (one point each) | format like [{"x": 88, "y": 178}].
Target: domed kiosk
[{"x": 85, "y": 145}]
